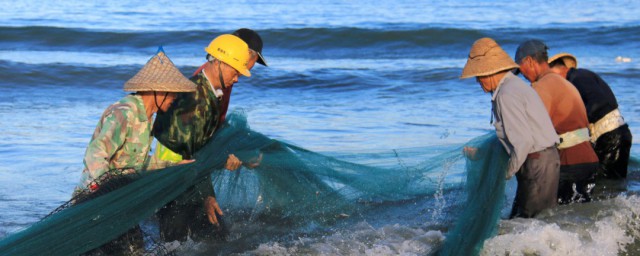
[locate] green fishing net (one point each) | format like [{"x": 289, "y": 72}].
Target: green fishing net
[
  {"x": 485, "y": 189},
  {"x": 291, "y": 185}
]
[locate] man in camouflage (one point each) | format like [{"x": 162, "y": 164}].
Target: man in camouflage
[
  {"x": 191, "y": 122},
  {"x": 122, "y": 139}
]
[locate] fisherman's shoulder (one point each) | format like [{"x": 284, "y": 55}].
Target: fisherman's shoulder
[
  {"x": 514, "y": 85},
  {"x": 125, "y": 108}
]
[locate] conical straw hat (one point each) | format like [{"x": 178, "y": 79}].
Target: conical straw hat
[
  {"x": 159, "y": 74},
  {"x": 486, "y": 58},
  {"x": 569, "y": 60}
]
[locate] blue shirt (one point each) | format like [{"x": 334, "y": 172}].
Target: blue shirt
[{"x": 522, "y": 123}]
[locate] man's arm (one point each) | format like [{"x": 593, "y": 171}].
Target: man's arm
[
  {"x": 111, "y": 137},
  {"x": 516, "y": 129}
]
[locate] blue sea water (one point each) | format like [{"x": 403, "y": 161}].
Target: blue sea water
[{"x": 346, "y": 78}]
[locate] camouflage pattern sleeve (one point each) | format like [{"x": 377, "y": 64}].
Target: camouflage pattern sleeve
[{"x": 107, "y": 139}]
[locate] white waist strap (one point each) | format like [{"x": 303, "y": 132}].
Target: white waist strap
[
  {"x": 607, "y": 123},
  {"x": 572, "y": 138}
]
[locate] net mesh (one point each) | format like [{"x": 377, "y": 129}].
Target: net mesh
[
  {"x": 291, "y": 185},
  {"x": 485, "y": 188}
]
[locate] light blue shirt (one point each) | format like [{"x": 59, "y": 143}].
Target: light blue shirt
[{"x": 522, "y": 123}]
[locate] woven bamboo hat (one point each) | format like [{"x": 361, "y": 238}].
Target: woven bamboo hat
[
  {"x": 569, "y": 60},
  {"x": 159, "y": 74},
  {"x": 486, "y": 58}
]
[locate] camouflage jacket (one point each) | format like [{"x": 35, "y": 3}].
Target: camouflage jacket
[
  {"x": 121, "y": 141},
  {"x": 191, "y": 120}
]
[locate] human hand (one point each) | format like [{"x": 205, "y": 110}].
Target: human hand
[
  {"x": 255, "y": 162},
  {"x": 508, "y": 176},
  {"x": 470, "y": 152},
  {"x": 211, "y": 206},
  {"x": 233, "y": 163},
  {"x": 186, "y": 161}
]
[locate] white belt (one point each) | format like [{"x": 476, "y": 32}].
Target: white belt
[
  {"x": 572, "y": 138},
  {"x": 607, "y": 123}
]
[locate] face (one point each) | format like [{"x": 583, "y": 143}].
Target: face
[
  {"x": 559, "y": 69},
  {"x": 167, "y": 102},
  {"x": 229, "y": 74},
  {"x": 527, "y": 69},
  {"x": 485, "y": 82}
]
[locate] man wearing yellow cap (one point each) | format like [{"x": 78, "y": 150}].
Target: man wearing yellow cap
[
  {"x": 188, "y": 125},
  {"x": 522, "y": 126},
  {"x": 254, "y": 41},
  {"x": 122, "y": 139},
  {"x": 610, "y": 134}
]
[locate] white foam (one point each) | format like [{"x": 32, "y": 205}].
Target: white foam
[
  {"x": 623, "y": 59},
  {"x": 362, "y": 239},
  {"x": 597, "y": 228},
  {"x": 175, "y": 247}
]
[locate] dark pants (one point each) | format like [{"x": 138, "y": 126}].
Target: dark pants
[
  {"x": 179, "y": 221},
  {"x": 186, "y": 216},
  {"x": 537, "y": 183},
  {"x": 576, "y": 183},
  {"x": 613, "y": 149}
]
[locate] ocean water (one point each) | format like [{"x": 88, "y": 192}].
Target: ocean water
[{"x": 344, "y": 78}]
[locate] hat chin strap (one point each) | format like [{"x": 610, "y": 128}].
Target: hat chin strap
[
  {"x": 220, "y": 75},
  {"x": 491, "y": 121},
  {"x": 155, "y": 99}
]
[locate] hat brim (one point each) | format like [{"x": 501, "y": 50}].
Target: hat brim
[
  {"x": 486, "y": 58},
  {"x": 159, "y": 74},
  {"x": 261, "y": 60},
  {"x": 478, "y": 67},
  {"x": 569, "y": 60}
]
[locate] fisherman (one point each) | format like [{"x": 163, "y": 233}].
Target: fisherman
[
  {"x": 610, "y": 135},
  {"x": 191, "y": 123},
  {"x": 254, "y": 41},
  {"x": 569, "y": 117},
  {"x": 121, "y": 142},
  {"x": 522, "y": 126}
]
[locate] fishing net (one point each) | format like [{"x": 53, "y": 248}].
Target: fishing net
[
  {"x": 485, "y": 188},
  {"x": 291, "y": 185}
]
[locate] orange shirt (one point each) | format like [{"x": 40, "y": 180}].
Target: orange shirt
[{"x": 568, "y": 113}]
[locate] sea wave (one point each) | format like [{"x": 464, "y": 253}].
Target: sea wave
[
  {"x": 339, "y": 42},
  {"x": 181, "y": 15}
]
